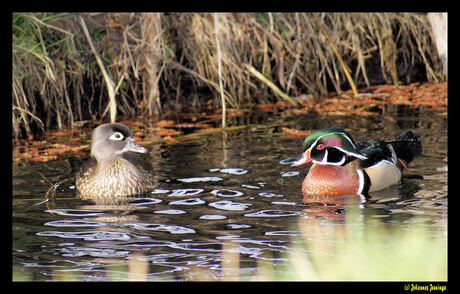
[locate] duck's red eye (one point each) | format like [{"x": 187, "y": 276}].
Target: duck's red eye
[{"x": 320, "y": 147}]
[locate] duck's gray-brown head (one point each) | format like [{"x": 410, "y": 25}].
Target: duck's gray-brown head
[{"x": 111, "y": 140}]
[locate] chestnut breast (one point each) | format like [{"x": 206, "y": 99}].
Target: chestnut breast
[{"x": 330, "y": 180}]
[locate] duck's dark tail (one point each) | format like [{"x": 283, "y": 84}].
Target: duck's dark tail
[{"x": 407, "y": 146}]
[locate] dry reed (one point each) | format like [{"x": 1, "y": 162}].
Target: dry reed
[{"x": 161, "y": 59}]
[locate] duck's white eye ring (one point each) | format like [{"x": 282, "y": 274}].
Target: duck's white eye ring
[{"x": 117, "y": 136}]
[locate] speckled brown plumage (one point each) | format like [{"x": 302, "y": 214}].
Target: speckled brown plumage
[
  {"x": 117, "y": 177},
  {"x": 118, "y": 166}
]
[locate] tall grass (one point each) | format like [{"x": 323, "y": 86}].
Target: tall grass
[{"x": 161, "y": 59}]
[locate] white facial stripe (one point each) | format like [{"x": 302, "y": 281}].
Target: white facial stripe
[
  {"x": 351, "y": 153},
  {"x": 341, "y": 161},
  {"x": 349, "y": 140},
  {"x": 341, "y": 149},
  {"x": 324, "y": 160}
]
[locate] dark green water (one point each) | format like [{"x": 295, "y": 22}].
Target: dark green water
[{"x": 233, "y": 188}]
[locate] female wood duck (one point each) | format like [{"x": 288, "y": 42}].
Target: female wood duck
[
  {"x": 116, "y": 167},
  {"x": 343, "y": 167}
]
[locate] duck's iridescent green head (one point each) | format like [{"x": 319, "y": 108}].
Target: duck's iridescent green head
[
  {"x": 328, "y": 146},
  {"x": 330, "y": 137}
]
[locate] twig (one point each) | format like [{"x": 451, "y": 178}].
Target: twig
[
  {"x": 334, "y": 49},
  {"x": 108, "y": 81},
  {"x": 175, "y": 64},
  {"x": 31, "y": 114},
  {"x": 34, "y": 18},
  {"x": 272, "y": 86},
  {"x": 219, "y": 61}
]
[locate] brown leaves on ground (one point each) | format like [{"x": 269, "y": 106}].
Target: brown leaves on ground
[
  {"x": 294, "y": 133},
  {"x": 426, "y": 96},
  {"x": 56, "y": 143},
  {"x": 371, "y": 101},
  {"x": 165, "y": 124}
]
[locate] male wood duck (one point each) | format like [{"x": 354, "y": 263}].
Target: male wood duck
[
  {"x": 343, "y": 167},
  {"x": 117, "y": 166}
]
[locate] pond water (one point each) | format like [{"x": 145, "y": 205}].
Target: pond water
[{"x": 235, "y": 188}]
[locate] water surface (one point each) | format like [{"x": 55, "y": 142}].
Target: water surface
[{"x": 233, "y": 188}]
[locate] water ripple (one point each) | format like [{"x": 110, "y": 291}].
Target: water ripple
[
  {"x": 238, "y": 226},
  {"x": 87, "y": 235},
  {"x": 197, "y": 246},
  {"x": 145, "y": 201},
  {"x": 74, "y": 212},
  {"x": 170, "y": 211},
  {"x": 283, "y": 233},
  {"x": 159, "y": 191},
  {"x": 189, "y": 201},
  {"x": 267, "y": 194},
  {"x": 288, "y": 160},
  {"x": 273, "y": 213},
  {"x": 167, "y": 258},
  {"x": 212, "y": 216},
  {"x": 200, "y": 179},
  {"x": 284, "y": 203},
  {"x": 250, "y": 186},
  {"x": 185, "y": 192},
  {"x": 172, "y": 229},
  {"x": 73, "y": 223},
  {"x": 289, "y": 174},
  {"x": 93, "y": 252},
  {"x": 226, "y": 193},
  {"x": 231, "y": 171},
  {"x": 229, "y": 205}
]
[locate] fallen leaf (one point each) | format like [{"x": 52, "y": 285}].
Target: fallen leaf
[
  {"x": 165, "y": 123},
  {"x": 295, "y": 132},
  {"x": 170, "y": 140}
]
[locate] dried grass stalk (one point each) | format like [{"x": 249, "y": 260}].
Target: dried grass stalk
[{"x": 164, "y": 59}]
